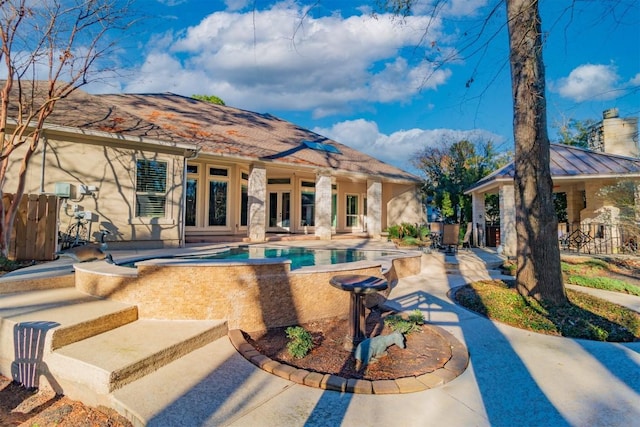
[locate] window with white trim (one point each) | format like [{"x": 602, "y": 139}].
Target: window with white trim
[
  {"x": 307, "y": 203},
  {"x": 191, "y": 208},
  {"x": 244, "y": 199},
  {"x": 151, "y": 188},
  {"x": 218, "y": 196}
]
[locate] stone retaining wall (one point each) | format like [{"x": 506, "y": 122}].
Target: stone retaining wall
[{"x": 251, "y": 296}]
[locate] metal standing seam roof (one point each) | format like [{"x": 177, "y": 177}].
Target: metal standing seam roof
[
  {"x": 217, "y": 130},
  {"x": 572, "y": 162}
]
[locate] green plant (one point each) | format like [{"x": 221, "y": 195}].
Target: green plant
[
  {"x": 423, "y": 232},
  {"x": 300, "y": 341},
  {"x": 587, "y": 274},
  {"x": 605, "y": 283},
  {"x": 394, "y": 231},
  {"x": 510, "y": 267},
  {"x": 584, "y": 316},
  {"x": 8, "y": 265},
  {"x": 416, "y": 317},
  {"x": 412, "y": 323},
  {"x": 408, "y": 230},
  {"x": 410, "y": 241},
  {"x": 408, "y": 234}
]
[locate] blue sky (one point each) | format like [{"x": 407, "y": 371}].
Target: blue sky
[{"x": 382, "y": 85}]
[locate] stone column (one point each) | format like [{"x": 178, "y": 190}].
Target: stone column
[
  {"x": 508, "y": 237},
  {"x": 477, "y": 216},
  {"x": 636, "y": 201},
  {"x": 323, "y": 205},
  {"x": 374, "y": 209},
  {"x": 257, "y": 194}
]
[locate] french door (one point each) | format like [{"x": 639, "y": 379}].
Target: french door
[{"x": 279, "y": 211}]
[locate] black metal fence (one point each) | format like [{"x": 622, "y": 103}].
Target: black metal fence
[{"x": 597, "y": 238}]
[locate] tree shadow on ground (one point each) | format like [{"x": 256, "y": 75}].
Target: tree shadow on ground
[{"x": 509, "y": 393}]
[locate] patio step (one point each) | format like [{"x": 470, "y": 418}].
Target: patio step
[
  {"x": 62, "y": 316},
  {"x": 108, "y": 361},
  {"x": 201, "y": 388}
]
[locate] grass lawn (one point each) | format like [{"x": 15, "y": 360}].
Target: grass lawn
[
  {"x": 596, "y": 273},
  {"x": 585, "y": 316}
]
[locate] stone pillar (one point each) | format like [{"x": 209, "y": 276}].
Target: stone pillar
[
  {"x": 323, "y": 205},
  {"x": 374, "y": 209},
  {"x": 636, "y": 201},
  {"x": 508, "y": 237},
  {"x": 257, "y": 193},
  {"x": 477, "y": 217}
]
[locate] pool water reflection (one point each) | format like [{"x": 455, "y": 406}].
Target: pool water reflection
[{"x": 300, "y": 257}]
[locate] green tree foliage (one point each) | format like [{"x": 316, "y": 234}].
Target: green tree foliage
[
  {"x": 209, "y": 98},
  {"x": 560, "y": 203},
  {"x": 624, "y": 195},
  {"x": 451, "y": 168},
  {"x": 576, "y": 132}
]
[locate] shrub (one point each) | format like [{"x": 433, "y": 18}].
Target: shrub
[
  {"x": 9, "y": 265},
  {"x": 394, "y": 231},
  {"x": 408, "y": 230},
  {"x": 423, "y": 232},
  {"x": 405, "y": 326},
  {"x": 410, "y": 241},
  {"x": 300, "y": 341}
]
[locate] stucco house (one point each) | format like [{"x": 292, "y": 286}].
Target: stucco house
[{"x": 163, "y": 169}]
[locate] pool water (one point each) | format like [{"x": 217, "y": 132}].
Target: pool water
[{"x": 300, "y": 257}]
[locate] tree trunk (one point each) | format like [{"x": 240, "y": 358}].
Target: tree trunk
[{"x": 538, "y": 254}]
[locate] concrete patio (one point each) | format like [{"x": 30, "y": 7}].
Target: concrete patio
[{"x": 514, "y": 377}]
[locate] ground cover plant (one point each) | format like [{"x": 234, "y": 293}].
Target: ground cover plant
[
  {"x": 594, "y": 273},
  {"x": 412, "y": 323},
  {"x": 584, "y": 316}
]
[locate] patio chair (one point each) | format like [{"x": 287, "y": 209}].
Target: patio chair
[
  {"x": 435, "y": 231},
  {"x": 466, "y": 240},
  {"x": 451, "y": 237}
]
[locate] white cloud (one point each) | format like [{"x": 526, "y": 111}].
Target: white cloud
[
  {"x": 236, "y": 4},
  {"x": 281, "y": 58},
  {"x": 400, "y": 147},
  {"x": 171, "y": 3},
  {"x": 589, "y": 82}
]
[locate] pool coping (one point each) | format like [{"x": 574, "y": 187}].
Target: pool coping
[{"x": 453, "y": 368}]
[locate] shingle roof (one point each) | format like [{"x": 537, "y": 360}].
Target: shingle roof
[
  {"x": 217, "y": 130},
  {"x": 572, "y": 162}
]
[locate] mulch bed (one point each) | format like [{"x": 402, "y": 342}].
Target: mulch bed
[{"x": 426, "y": 350}]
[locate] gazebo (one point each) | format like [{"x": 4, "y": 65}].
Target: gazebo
[{"x": 592, "y": 220}]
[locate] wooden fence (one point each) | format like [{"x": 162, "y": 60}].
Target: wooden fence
[{"x": 35, "y": 228}]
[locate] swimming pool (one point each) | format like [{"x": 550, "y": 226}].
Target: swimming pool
[{"x": 300, "y": 257}]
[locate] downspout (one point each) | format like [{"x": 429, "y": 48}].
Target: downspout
[{"x": 189, "y": 155}]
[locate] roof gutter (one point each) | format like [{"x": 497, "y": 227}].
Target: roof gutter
[
  {"x": 556, "y": 179},
  {"x": 53, "y": 129},
  {"x": 313, "y": 168}
]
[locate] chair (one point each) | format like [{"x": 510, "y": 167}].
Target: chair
[
  {"x": 435, "y": 231},
  {"x": 451, "y": 237},
  {"x": 466, "y": 240}
]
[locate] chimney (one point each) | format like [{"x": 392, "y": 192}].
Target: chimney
[{"x": 611, "y": 113}]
